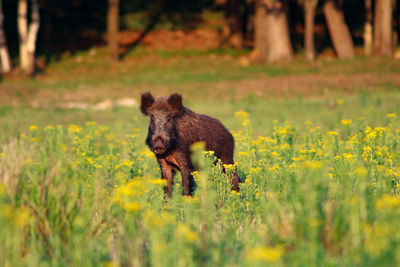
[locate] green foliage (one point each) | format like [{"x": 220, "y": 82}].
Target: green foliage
[
  {"x": 82, "y": 195},
  {"x": 90, "y": 193}
]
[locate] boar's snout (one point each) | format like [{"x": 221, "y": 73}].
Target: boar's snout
[
  {"x": 158, "y": 146},
  {"x": 158, "y": 150}
]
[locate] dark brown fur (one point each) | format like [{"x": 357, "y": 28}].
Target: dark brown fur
[{"x": 174, "y": 128}]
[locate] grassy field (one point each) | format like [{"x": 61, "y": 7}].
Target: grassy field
[{"x": 316, "y": 149}]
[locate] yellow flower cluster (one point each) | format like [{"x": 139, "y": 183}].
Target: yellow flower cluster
[
  {"x": 267, "y": 254},
  {"x": 387, "y": 202},
  {"x": 185, "y": 232},
  {"x": 243, "y": 116},
  {"x": 298, "y": 186}
]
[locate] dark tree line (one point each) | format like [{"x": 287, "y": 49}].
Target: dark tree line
[{"x": 269, "y": 27}]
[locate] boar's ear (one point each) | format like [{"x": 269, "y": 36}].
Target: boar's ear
[
  {"x": 146, "y": 102},
  {"x": 175, "y": 101}
]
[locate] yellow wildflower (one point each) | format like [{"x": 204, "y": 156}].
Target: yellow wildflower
[
  {"x": 230, "y": 168},
  {"x": 197, "y": 146},
  {"x": 387, "y": 202},
  {"x": 109, "y": 137},
  {"x": 208, "y": 153},
  {"x": 184, "y": 231},
  {"x": 90, "y": 123},
  {"x": 284, "y": 146},
  {"x": 334, "y": 133},
  {"x": 267, "y": 139},
  {"x": 132, "y": 206},
  {"x": 103, "y": 128},
  {"x": 151, "y": 219},
  {"x": 362, "y": 171},
  {"x": 347, "y": 122},
  {"x": 275, "y": 154},
  {"x": 255, "y": 170},
  {"x": 348, "y": 156},
  {"x": 235, "y": 193},
  {"x": 263, "y": 253},
  {"x": 147, "y": 153},
  {"x": 22, "y": 217},
  {"x": 273, "y": 168},
  {"x": 112, "y": 264},
  {"x": 74, "y": 128},
  {"x": 75, "y": 163},
  {"x": 63, "y": 147},
  {"x": 190, "y": 199},
  {"x": 159, "y": 181},
  {"x": 367, "y": 148},
  {"x": 242, "y": 114},
  {"x": 313, "y": 165},
  {"x": 282, "y": 131},
  {"x": 33, "y": 128},
  {"x": 389, "y": 171},
  {"x": 380, "y": 130},
  {"x": 127, "y": 163}
]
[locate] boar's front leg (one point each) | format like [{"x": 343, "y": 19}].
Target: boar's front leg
[
  {"x": 187, "y": 181},
  {"x": 184, "y": 164},
  {"x": 227, "y": 158},
  {"x": 166, "y": 169}
]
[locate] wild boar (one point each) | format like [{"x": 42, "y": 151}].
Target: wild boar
[{"x": 173, "y": 129}]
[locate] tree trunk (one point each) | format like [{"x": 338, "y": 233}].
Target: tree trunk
[
  {"x": 377, "y": 26},
  {"x": 338, "y": 30},
  {"x": 309, "y": 8},
  {"x": 6, "y": 64},
  {"x": 28, "y": 35},
  {"x": 368, "y": 38},
  {"x": 233, "y": 33},
  {"x": 272, "y": 41},
  {"x": 32, "y": 36},
  {"x": 395, "y": 18},
  {"x": 113, "y": 28},
  {"x": 23, "y": 32},
  {"x": 387, "y": 28},
  {"x": 383, "y": 27}
]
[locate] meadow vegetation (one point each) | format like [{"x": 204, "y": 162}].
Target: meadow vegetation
[{"x": 320, "y": 181}]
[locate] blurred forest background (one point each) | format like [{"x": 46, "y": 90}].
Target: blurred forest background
[{"x": 36, "y": 32}]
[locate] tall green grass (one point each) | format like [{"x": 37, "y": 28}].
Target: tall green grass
[{"x": 84, "y": 195}]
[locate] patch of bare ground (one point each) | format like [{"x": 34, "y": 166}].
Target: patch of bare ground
[
  {"x": 200, "y": 39},
  {"x": 286, "y": 86},
  {"x": 16, "y": 95},
  {"x": 308, "y": 85}
]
